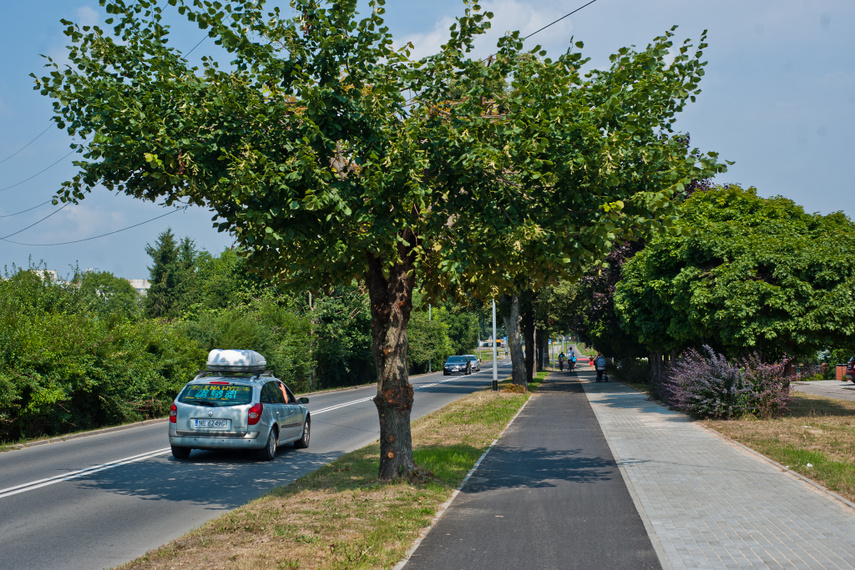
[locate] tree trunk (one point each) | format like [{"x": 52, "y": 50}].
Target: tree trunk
[
  {"x": 512, "y": 327},
  {"x": 391, "y": 303},
  {"x": 655, "y": 359},
  {"x": 542, "y": 352},
  {"x": 527, "y": 323}
]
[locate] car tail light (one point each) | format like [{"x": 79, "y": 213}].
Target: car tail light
[
  {"x": 173, "y": 413},
  {"x": 255, "y": 414}
]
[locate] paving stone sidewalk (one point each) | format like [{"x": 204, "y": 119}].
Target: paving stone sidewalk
[{"x": 709, "y": 503}]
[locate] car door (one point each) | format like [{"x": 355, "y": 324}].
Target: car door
[
  {"x": 294, "y": 413},
  {"x": 272, "y": 399}
]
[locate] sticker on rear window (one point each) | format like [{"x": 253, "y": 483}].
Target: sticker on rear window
[{"x": 218, "y": 393}]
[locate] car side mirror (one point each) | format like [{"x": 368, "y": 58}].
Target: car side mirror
[{"x": 304, "y": 400}]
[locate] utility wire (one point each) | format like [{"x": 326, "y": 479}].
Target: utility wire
[
  {"x": 42, "y": 171},
  {"x": 559, "y": 19},
  {"x": 26, "y": 145},
  {"x": 85, "y": 239},
  {"x": 27, "y": 210},
  {"x": 4, "y": 238}
]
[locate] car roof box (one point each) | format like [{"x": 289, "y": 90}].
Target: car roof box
[{"x": 247, "y": 361}]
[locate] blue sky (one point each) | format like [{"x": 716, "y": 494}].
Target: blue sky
[{"x": 778, "y": 99}]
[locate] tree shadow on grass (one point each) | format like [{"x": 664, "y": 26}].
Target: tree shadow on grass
[{"x": 808, "y": 406}]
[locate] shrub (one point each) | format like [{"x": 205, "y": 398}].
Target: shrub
[{"x": 711, "y": 386}]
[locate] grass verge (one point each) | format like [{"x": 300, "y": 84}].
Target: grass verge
[
  {"x": 341, "y": 516},
  {"x": 816, "y": 438}
]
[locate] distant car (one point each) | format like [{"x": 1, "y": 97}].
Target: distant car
[
  {"x": 475, "y": 364},
  {"x": 457, "y": 365},
  {"x": 236, "y": 404}
]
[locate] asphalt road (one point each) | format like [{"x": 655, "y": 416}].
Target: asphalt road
[
  {"x": 827, "y": 388},
  {"x": 104, "y": 499}
]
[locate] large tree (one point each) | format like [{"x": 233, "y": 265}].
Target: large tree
[
  {"x": 331, "y": 155},
  {"x": 743, "y": 274}
]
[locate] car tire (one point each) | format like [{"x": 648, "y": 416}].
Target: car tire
[
  {"x": 269, "y": 450},
  {"x": 181, "y": 452},
  {"x": 303, "y": 442}
]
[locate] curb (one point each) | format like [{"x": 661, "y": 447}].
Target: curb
[{"x": 85, "y": 434}]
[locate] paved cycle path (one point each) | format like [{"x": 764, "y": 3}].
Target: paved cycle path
[
  {"x": 595, "y": 475},
  {"x": 548, "y": 495}
]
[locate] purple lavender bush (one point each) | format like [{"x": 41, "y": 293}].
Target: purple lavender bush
[{"x": 710, "y": 386}]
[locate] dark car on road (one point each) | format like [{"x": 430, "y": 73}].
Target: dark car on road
[{"x": 457, "y": 365}]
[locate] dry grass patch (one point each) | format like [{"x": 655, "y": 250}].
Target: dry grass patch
[
  {"x": 341, "y": 516},
  {"x": 816, "y": 438}
]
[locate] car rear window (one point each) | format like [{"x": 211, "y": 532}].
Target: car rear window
[{"x": 218, "y": 394}]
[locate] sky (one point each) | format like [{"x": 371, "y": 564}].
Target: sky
[{"x": 778, "y": 99}]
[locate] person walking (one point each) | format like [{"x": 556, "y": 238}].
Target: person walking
[
  {"x": 561, "y": 361},
  {"x": 600, "y": 365}
]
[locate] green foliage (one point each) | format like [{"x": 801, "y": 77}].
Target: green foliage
[
  {"x": 110, "y": 297},
  {"x": 341, "y": 342},
  {"x": 167, "y": 275},
  {"x": 428, "y": 342},
  {"x": 308, "y": 151},
  {"x": 72, "y": 358},
  {"x": 744, "y": 274},
  {"x": 461, "y": 326}
]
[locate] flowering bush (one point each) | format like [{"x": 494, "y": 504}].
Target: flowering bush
[{"x": 710, "y": 386}]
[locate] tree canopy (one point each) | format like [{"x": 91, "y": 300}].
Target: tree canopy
[
  {"x": 332, "y": 155},
  {"x": 743, "y": 274}
]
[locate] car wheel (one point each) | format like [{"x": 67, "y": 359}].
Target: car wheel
[
  {"x": 269, "y": 451},
  {"x": 180, "y": 452},
  {"x": 303, "y": 442}
]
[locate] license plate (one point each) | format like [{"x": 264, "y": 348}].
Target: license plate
[{"x": 218, "y": 424}]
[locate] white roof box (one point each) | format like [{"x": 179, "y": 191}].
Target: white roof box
[{"x": 220, "y": 360}]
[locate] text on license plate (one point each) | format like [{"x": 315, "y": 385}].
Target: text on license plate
[{"x": 221, "y": 424}]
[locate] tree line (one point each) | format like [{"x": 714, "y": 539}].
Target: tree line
[{"x": 737, "y": 273}]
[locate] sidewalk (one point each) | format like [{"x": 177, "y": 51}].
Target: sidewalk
[{"x": 703, "y": 501}]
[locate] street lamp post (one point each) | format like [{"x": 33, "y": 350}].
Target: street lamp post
[
  {"x": 430, "y": 356},
  {"x": 495, "y": 353}
]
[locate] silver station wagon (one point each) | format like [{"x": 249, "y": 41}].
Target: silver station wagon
[{"x": 236, "y": 404}]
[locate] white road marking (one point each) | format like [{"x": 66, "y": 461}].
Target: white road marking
[
  {"x": 32, "y": 485},
  {"x": 363, "y": 400}
]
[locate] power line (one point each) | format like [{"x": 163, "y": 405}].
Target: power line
[
  {"x": 27, "y": 210},
  {"x": 42, "y": 171},
  {"x": 33, "y": 224},
  {"x": 26, "y": 145},
  {"x": 85, "y": 239},
  {"x": 559, "y": 19}
]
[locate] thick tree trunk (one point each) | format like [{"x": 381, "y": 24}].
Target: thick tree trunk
[
  {"x": 512, "y": 327},
  {"x": 391, "y": 304}
]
